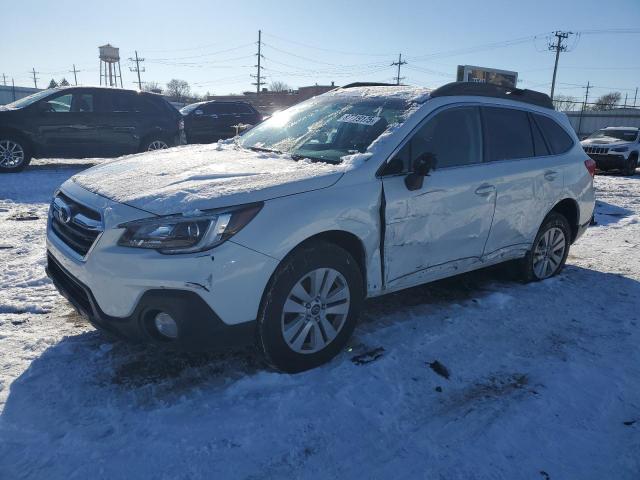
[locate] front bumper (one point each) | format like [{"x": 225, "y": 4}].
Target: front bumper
[
  {"x": 606, "y": 162},
  {"x": 199, "y": 327}
]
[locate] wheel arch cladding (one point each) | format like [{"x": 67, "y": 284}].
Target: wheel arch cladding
[
  {"x": 570, "y": 210},
  {"x": 18, "y": 135}
]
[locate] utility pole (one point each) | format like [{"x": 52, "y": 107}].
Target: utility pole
[
  {"x": 35, "y": 79},
  {"x": 75, "y": 76},
  {"x": 259, "y": 78},
  {"x": 558, "y": 47},
  {"x": 399, "y": 63},
  {"x": 4, "y": 79},
  {"x": 635, "y": 97},
  {"x": 136, "y": 69},
  {"x": 13, "y": 89},
  {"x": 584, "y": 106},
  {"x": 625, "y": 100}
]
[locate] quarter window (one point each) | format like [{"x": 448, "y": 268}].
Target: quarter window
[
  {"x": 507, "y": 134},
  {"x": 557, "y": 138},
  {"x": 539, "y": 147},
  {"x": 452, "y": 136}
]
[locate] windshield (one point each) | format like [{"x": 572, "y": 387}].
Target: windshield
[
  {"x": 26, "y": 101},
  {"x": 326, "y": 128},
  {"x": 626, "y": 135},
  {"x": 189, "y": 108}
]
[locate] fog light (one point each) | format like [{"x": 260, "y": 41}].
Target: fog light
[{"x": 166, "y": 325}]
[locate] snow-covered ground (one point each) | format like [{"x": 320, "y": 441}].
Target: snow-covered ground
[{"x": 543, "y": 379}]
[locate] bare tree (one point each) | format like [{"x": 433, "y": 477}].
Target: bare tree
[
  {"x": 178, "y": 90},
  {"x": 607, "y": 101},
  {"x": 152, "y": 87},
  {"x": 279, "y": 86},
  {"x": 565, "y": 103}
]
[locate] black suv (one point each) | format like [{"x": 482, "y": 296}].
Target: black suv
[
  {"x": 206, "y": 122},
  {"x": 77, "y": 122}
]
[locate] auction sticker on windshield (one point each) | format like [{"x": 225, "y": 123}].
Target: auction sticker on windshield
[{"x": 360, "y": 119}]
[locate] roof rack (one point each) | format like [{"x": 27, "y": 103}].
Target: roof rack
[
  {"x": 491, "y": 90},
  {"x": 369, "y": 84}
]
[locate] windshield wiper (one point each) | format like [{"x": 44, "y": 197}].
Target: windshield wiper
[
  {"x": 297, "y": 156},
  {"x": 261, "y": 149}
]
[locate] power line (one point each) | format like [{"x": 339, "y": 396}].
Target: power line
[
  {"x": 558, "y": 47},
  {"x": 399, "y": 64}
]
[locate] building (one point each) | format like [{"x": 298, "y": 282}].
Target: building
[
  {"x": 587, "y": 122},
  {"x": 268, "y": 102},
  {"x": 10, "y": 94}
]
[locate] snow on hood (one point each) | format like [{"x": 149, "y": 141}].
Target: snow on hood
[
  {"x": 609, "y": 141},
  {"x": 205, "y": 176}
]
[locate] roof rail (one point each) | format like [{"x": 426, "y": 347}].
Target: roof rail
[
  {"x": 491, "y": 90},
  {"x": 369, "y": 84}
]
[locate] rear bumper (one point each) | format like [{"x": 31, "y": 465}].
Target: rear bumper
[{"x": 199, "y": 327}]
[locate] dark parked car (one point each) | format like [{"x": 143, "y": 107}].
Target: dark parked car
[
  {"x": 77, "y": 122},
  {"x": 207, "y": 122}
]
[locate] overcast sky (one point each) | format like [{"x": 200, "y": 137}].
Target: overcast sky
[{"x": 212, "y": 44}]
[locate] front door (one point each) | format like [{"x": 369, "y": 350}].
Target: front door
[{"x": 443, "y": 226}]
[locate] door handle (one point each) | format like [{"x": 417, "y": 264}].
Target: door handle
[
  {"x": 550, "y": 175},
  {"x": 485, "y": 190}
]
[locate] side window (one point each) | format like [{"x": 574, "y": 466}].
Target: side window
[
  {"x": 83, "y": 103},
  {"x": 453, "y": 136},
  {"x": 212, "y": 108},
  {"x": 557, "y": 138},
  {"x": 119, "y": 102},
  {"x": 61, "y": 103},
  {"x": 242, "y": 108},
  {"x": 226, "y": 109},
  {"x": 507, "y": 134},
  {"x": 539, "y": 147}
]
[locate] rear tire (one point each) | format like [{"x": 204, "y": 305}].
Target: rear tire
[
  {"x": 550, "y": 249},
  {"x": 310, "y": 307},
  {"x": 15, "y": 154},
  {"x": 154, "y": 143}
]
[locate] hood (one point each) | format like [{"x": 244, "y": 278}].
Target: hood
[
  {"x": 608, "y": 141},
  {"x": 201, "y": 177}
]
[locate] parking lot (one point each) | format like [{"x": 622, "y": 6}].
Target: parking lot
[{"x": 474, "y": 377}]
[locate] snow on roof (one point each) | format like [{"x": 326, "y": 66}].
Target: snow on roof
[{"x": 404, "y": 92}]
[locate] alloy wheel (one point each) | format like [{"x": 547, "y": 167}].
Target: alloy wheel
[
  {"x": 11, "y": 154},
  {"x": 157, "y": 145},
  {"x": 549, "y": 252},
  {"x": 315, "y": 310}
]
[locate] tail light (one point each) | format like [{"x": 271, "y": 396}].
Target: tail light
[{"x": 591, "y": 166}]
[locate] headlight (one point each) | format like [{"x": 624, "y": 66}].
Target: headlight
[
  {"x": 620, "y": 149},
  {"x": 187, "y": 233}
]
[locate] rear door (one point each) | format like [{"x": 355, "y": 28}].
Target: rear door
[
  {"x": 119, "y": 121},
  {"x": 527, "y": 178},
  {"x": 432, "y": 231}
]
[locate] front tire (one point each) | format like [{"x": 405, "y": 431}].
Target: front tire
[
  {"x": 310, "y": 307},
  {"x": 14, "y": 154},
  {"x": 632, "y": 164},
  {"x": 550, "y": 249}
]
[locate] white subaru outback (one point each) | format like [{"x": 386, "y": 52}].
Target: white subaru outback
[{"x": 277, "y": 237}]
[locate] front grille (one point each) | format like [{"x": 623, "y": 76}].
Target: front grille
[
  {"x": 75, "y": 224},
  {"x": 70, "y": 288},
  {"x": 597, "y": 150}
]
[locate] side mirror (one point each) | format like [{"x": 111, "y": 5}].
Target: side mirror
[{"x": 421, "y": 168}]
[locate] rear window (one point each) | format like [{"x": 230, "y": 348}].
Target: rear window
[
  {"x": 243, "y": 108},
  {"x": 559, "y": 141},
  {"x": 507, "y": 134}
]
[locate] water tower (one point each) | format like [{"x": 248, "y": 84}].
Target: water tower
[{"x": 110, "y": 65}]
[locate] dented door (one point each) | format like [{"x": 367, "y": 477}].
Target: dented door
[{"x": 448, "y": 220}]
